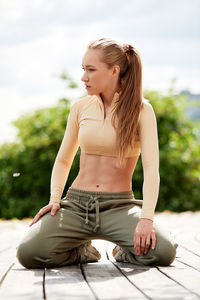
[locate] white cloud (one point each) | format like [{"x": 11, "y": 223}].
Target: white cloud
[{"x": 40, "y": 38}]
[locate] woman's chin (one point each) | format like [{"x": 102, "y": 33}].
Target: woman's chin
[{"x": 90, "y": 92}]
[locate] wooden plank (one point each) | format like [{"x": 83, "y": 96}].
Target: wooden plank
[
  {"x": 106, "y": 280},
  {"x": 66, "y": 283},
  {"x": 151, "y": 281},
  {"x": 154, "y": 284},
  {"x": 14, "y": 224},
  {"x": 7, "y": 260},
  {"x": 188, "y": 258},
  {"x": 187, "y": 240},
  {"x": 17, "y": 282},
  {"x": 11, "y": 232},
  {"x": 197, "y": 237},
  {"x": 184, "y": 275},
  {"x": 185, "y": 227},
  {"x": 21, "y": 283},
  {"x": 182, "y": 220}
]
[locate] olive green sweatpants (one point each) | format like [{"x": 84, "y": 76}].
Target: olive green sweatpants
[{"x": 86, "y": 215}]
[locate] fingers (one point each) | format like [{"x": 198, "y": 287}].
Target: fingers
[
  {"x": 142, "y": 242},
  {"x": 55, "y": 207},
  {"x": 153, "y": 246},
  {"x": 38, "y": 215},
  {"x": 137, "y": 243},
  {"x": 140, "y": 245},
  {"x": 44, "y": 210},
  {"x": 147, "y": 244},
  {"x": 35, "y": 219}
]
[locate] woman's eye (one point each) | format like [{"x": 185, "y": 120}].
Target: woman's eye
[{"x": 89, "y": 69}]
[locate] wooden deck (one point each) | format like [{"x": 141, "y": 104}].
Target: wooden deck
[{"x": 105, "y": 279}]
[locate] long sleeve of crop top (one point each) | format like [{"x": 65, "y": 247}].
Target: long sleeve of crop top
[
  {"x": 150, "y": 160},
  {"x": 65, "y": 156}
]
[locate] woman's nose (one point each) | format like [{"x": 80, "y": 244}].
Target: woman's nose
[{"x": 84, "y": 77}]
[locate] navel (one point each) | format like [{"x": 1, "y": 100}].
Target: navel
[{"x": 97, "y": 185}]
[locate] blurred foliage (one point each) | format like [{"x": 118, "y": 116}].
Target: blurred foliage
[
  {"x": 26, "y": 164},
  {"x": 70, "y": 82},
  {"x": 179, "y": 152}
]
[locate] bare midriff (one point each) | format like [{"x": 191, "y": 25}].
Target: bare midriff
[{"x": 99, "y": 173}]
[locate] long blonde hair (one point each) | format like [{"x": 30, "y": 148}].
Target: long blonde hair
[{"x": 130, "y": 103}]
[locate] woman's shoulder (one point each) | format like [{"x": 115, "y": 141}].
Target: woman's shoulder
[
  {"x": 145, "y": 103},
  {"x": 147, "y": 111}
]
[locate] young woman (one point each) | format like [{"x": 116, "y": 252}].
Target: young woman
[{"x": 113, "y": 124}]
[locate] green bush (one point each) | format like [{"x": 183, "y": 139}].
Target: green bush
[{"x": 32, "y": 156}]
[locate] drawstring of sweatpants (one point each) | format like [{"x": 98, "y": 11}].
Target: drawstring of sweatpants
[{"x": 89, "y": 201}]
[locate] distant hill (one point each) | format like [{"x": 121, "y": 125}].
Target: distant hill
[{"x": 192, "y": 112}]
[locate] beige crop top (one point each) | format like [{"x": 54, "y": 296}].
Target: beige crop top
[{"x": 88, "y": 128}]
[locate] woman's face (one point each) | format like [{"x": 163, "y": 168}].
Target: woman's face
[{"x": 96, "y": 76}]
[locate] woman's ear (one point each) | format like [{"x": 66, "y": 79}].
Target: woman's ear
[{"x": 116, "y": 70}]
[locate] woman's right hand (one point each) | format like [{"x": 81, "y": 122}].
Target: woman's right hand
[{"x": 53, "y": 207}]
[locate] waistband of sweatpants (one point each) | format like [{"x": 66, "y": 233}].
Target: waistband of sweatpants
[
  {"x": 90, "y": 197},
  {"x": 100, "y": 195}
]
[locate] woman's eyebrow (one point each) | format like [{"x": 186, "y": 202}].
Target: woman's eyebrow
[{"x": 88, "y": 65}]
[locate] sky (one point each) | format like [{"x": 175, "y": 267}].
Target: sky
[{"x": 40, "y": 39}]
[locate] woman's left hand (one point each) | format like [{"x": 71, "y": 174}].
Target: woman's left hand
[{"x": 143, "y": 233}]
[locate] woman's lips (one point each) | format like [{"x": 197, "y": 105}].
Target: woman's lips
[{"x": 87, "y": 86}]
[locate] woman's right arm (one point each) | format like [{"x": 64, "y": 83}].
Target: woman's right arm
[
  {"x": 65, "y": 156},
  {"x": 62, "y": 164}
]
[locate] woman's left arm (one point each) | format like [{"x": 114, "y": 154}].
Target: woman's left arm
[{"x": 150, "y": 162}]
